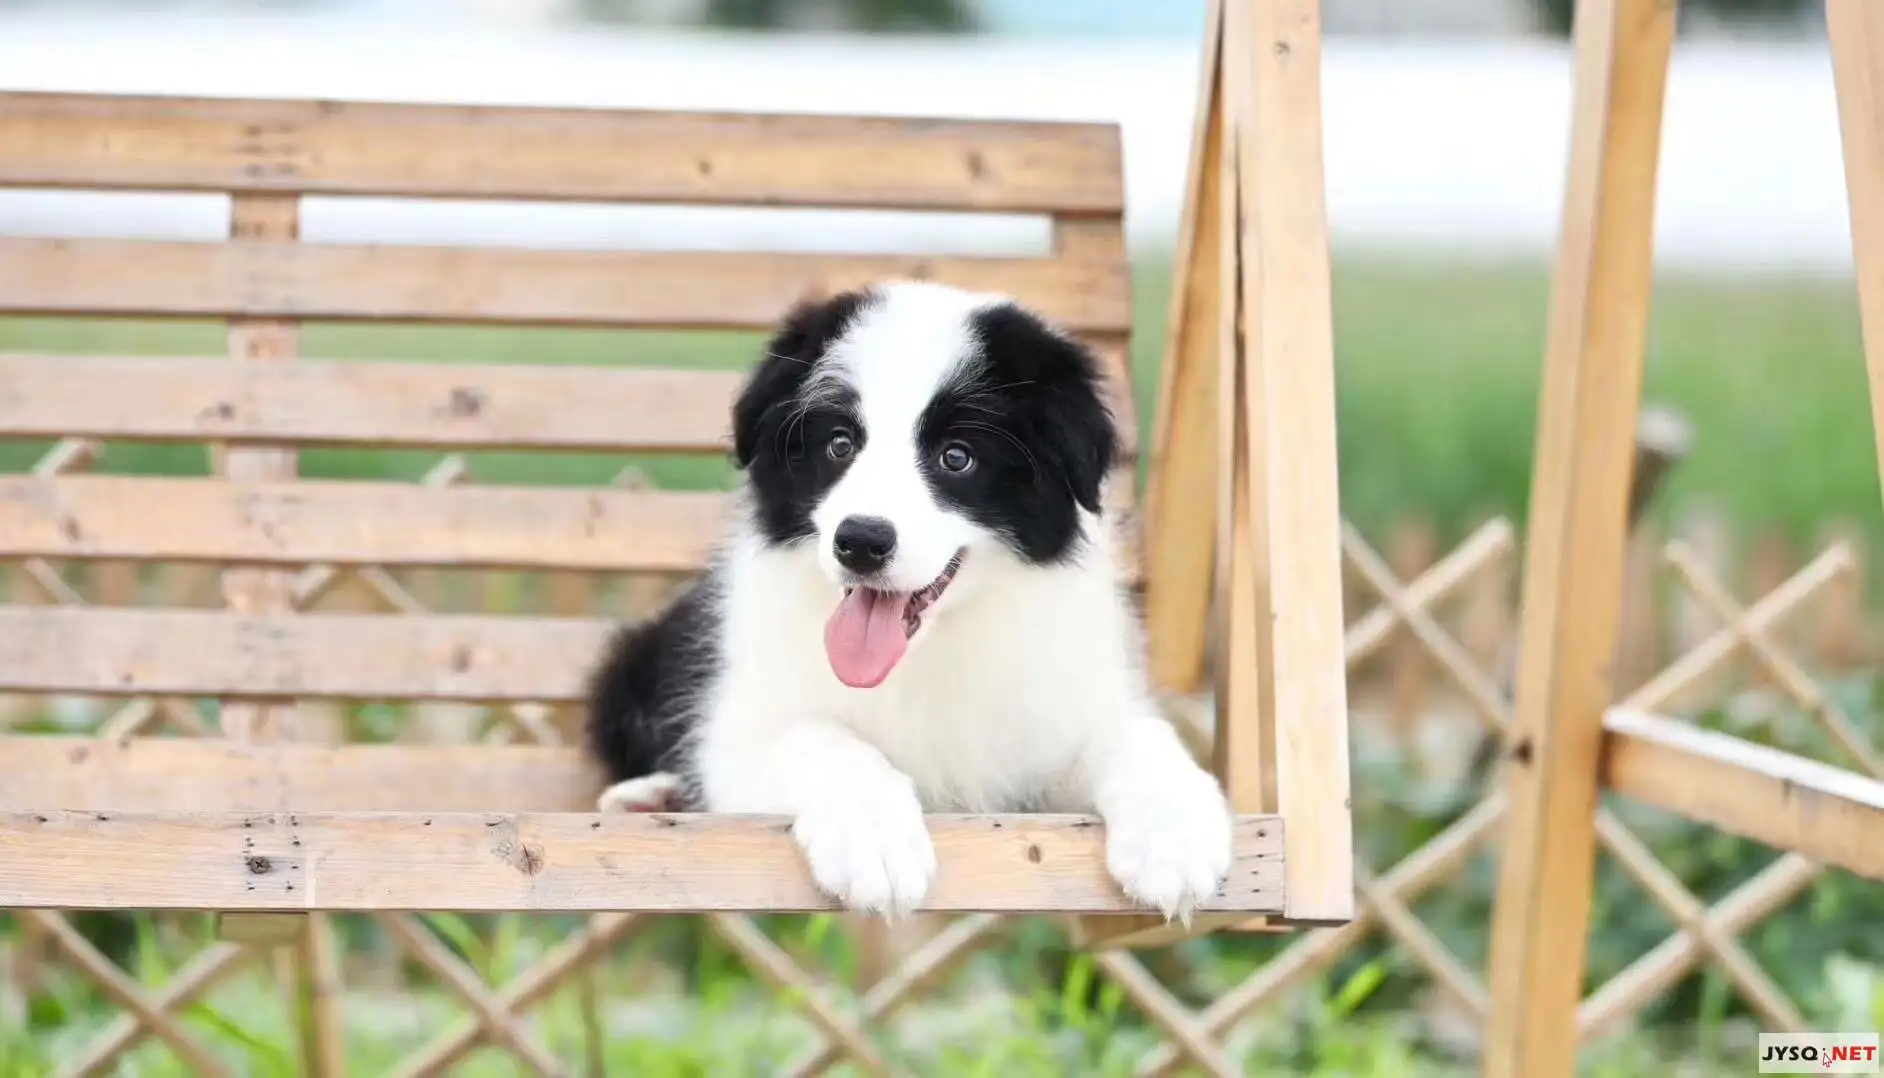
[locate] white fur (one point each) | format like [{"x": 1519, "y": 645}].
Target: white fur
[
  {"x": 897, "y": 356},
  {"x": 1025, "y": 686}
]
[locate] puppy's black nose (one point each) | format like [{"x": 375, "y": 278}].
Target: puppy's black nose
[{"x": 863, "y": 544}]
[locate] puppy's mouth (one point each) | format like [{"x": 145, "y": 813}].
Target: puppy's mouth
[{"x": 870, "y": 630}]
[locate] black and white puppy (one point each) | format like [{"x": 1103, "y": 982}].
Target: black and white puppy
[{"x": 919, "y": 607}]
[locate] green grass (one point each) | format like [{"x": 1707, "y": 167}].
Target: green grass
[
  {"x": 1439, "y": 375},
  {"x": 992, "y": 1018}
]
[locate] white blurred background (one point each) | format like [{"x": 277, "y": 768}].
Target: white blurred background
[{"x": 1446, "y": 120}]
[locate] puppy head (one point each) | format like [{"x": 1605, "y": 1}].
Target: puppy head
[{"x": 907, "y": 438}]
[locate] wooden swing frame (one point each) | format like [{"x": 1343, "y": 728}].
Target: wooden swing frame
[
  {"x": 1568, "y": 738},
  {"x": 266, "y": 825},
  {"x": 277, "y": 834}
]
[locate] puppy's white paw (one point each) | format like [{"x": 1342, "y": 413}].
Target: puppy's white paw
[
  {"x": 869, "y": 847},
  {"x": 1168, "y": 840},
  {"x": 649, "y": 793}
]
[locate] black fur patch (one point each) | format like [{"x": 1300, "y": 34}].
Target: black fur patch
[
  {"x": 1031, "y": 415},
  {"x": 778, "y": 438},
  {"x": 644, "y": 695}
]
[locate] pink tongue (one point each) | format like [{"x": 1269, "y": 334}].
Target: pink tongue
[{"x": 864, "y": 638}]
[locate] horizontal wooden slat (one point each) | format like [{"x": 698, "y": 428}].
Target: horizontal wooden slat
[
  {"x": 684, "y": 289},
  {"x": 346, "y": 523},
  {"x": 1773, "y": 797},
  {"x": 430, "y": 405},
  {"x": 326, "y": 147},
  {"x": 117, "y": 652},
  {"x": 306, "y": 522},
  {"x": 299, "y": 861},
  {"x": 120, "y": 652},
  {"x": 153, "y": 775}
]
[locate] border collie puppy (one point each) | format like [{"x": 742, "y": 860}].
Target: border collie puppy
[{"x": 918, "y": 608}]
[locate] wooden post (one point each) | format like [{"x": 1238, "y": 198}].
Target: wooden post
[
  {"x": 1288, "y": 401},
  {"x": 1252, "y": 341},
  {"x": 1199, "y": 573},
  {"x": 1663, "y": 438},
  {"x": 1181, "y": 490},
  {"x": 1578, "y": 525},
  {"x": 1243, "y": 758},
  {"x": 1856, "y": 28},
  {"x": 275, "y": 218}
]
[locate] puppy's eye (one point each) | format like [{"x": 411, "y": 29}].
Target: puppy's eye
[
  {"x": 956, "y": 458},
  {"x": 841, "y": 445}
]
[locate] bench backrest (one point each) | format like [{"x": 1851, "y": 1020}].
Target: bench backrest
[{"x": 282, "y": 538}]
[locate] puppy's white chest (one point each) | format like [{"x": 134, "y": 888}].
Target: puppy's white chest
[{"x": 987, "y": 734}]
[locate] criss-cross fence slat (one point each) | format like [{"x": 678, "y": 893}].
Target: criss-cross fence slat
[
  {"x": 1617, "y": 839},
  {"x": 1381, "y": 901},
  {"x": 1706, "y": 934},
  {"x": 197, "y": 976},
  {"x": 527, "y": 988},
  {"x": 153, "y": 1015}
]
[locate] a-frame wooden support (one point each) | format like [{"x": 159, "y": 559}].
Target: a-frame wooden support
[
  {"x": 1243, "y": 514},
  {"x": 1573, "y": 566}
]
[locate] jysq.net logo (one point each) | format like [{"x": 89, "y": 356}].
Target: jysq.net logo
[{"x": 1818, "y": 1053}]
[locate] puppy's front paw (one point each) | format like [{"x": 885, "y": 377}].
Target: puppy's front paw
[
  {"x": 1168, "y": 840},
  {"x": 649, "y": 793},
  {"x": 869, "y": 848}
]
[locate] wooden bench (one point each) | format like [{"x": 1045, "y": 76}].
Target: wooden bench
[{"x": 253, "y": 820}]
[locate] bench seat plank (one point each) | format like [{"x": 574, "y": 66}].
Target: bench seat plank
[{"x": 494, "y": 862}]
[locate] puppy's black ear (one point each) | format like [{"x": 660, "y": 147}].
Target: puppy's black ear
[
  {"x": 802, "y": 338},
  {"x": 1088, "y": 443},
  {"x": 1063, "y": 383}
]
